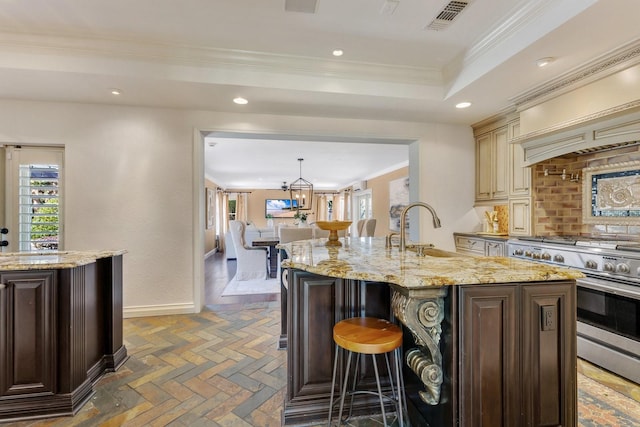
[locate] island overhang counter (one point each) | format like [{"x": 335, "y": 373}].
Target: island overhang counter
[
  {"x": 488, "y": 340},
  {"x": 60, "y": 329}
]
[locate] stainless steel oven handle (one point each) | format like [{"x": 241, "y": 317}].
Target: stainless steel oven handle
[{"x": 615, "y": 288}]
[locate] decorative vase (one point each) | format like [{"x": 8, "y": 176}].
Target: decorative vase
[{"x": 270, "y": 223}]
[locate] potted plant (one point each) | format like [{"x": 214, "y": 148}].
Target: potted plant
[{"x": 300, "y": 218}]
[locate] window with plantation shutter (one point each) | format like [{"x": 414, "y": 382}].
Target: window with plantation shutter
[{"x": 38, "y": 207}]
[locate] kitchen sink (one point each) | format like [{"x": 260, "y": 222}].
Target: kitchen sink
[{"x": 429, "y": 250}]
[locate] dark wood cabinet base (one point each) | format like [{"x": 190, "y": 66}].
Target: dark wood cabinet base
[
  {"x": 315, "y": 303},
  {"x": 60, "y": 331},
  {"x": 506, "y": 352},
  {"x": 53, "y": 405}
]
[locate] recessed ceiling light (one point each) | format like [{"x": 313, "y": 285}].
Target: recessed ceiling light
[
  {"x": 543, "y": 62},
  {"x": 241, "y": 101},
  {"x": 338, "y": 52},
  {"x": 463, "y": 104},
  {"x": 115, "y": 91}
]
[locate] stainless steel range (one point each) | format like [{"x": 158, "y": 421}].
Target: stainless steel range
[{"x": 608, "y": 298}]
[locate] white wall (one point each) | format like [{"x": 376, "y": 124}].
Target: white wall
[
  {"x": 130, "y": 182},
  {"x": 443, "y": 162}
]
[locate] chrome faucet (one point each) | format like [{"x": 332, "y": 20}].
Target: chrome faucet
[{"x": 403, "y": 226}]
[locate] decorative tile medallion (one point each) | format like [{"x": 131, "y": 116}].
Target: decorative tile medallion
[{"x": 612, "y": 194}]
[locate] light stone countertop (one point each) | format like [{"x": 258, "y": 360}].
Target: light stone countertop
[
  {"x": 367, "y": 259},
  {"x": 11, "y": 261}
]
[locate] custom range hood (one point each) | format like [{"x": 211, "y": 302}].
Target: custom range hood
[
  {"x": 595, "y": 107},
  {"x": 604, "y": 131}
]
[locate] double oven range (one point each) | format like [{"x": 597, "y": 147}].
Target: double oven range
[{"x": 608, "y": 300}]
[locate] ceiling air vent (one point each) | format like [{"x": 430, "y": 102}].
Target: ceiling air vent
[{"x": 448, "y": 14}]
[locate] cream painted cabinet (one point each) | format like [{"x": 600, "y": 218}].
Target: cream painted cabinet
[
  {"x": 520, "y": 206},
  {"x": 469, "y": 245},
  {"x": 501, "y": 174},
  {"x": 492, "y": 170},
  {"x": 520, "y": 216},
  {"x": 478, "y": 245},
  {"x": 494, "y": 248},
  {"x": 519, "y": 174}
]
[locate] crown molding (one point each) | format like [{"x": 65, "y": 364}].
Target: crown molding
[
  {"x": 526, "y": 22},
  {"x": 498, "y": 119},
  {"x": 519, "y": 17},
  {"x": 203, "y": 56}
]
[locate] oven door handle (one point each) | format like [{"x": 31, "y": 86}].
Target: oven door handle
[{"x": 621, "y": 289}]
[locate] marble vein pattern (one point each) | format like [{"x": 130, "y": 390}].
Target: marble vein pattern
[
  {"x": 367, "y": 259},
  {"x": 52, "y": 260}
]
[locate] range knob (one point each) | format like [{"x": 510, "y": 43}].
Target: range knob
[
  {"x": 609, "y": 267},
  {"x": 546, "y": 256},
  {"x": 518, "y": 252},
  {"x": 528, "y": 254},
  {"x": 622, "y": 268},
  {"x": 591, "y": 264},
  {"x": 535, "y": 255},
  {"x": 560, "y": 258}
]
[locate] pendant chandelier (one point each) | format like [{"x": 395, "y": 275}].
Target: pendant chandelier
[{"x": 301, "y": 192}]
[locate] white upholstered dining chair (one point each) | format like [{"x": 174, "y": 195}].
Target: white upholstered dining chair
[
  {"x": 251, "y": 261},
  {"x": 368, "y": 228}
]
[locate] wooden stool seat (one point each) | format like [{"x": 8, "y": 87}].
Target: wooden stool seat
[{"x": 367, "y": 335}]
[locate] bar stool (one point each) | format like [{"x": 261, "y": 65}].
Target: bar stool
[{"x": 368, "y": 335}]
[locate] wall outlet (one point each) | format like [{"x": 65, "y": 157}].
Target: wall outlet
[{"x": 548, "y": 316}]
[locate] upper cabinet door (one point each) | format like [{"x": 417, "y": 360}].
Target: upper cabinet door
[
  {"x": 519, "y": 174},
  {"x": 483, "y": 167},
  {"x": 501, "y": 164},
  {"x": 492, "y": 167}
]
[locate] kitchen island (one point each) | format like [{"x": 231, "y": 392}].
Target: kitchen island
[
  {"x": 488, "y": 340},
  {"x": 60, "y": 329}
]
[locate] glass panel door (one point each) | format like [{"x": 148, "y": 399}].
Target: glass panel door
[
  {"x": 363, "y": 208},
  {"x": 34, "y": 198},
  {"x": 364, "y": 204}
]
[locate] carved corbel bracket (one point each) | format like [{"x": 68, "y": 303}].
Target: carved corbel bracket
[{"x": 423, "y": 316}]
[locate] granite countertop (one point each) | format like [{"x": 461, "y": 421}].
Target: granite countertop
[
  {"x": 367, "y": 259},
  {"x": 52, "y": 260}
]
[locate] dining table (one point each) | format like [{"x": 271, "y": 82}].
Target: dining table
[{"x": 270, "y": 243}]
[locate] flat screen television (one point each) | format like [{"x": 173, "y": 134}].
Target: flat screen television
[{"x": 280, "y": 208}]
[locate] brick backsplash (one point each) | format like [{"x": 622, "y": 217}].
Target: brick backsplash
[{"x": 558, "y": 203}]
